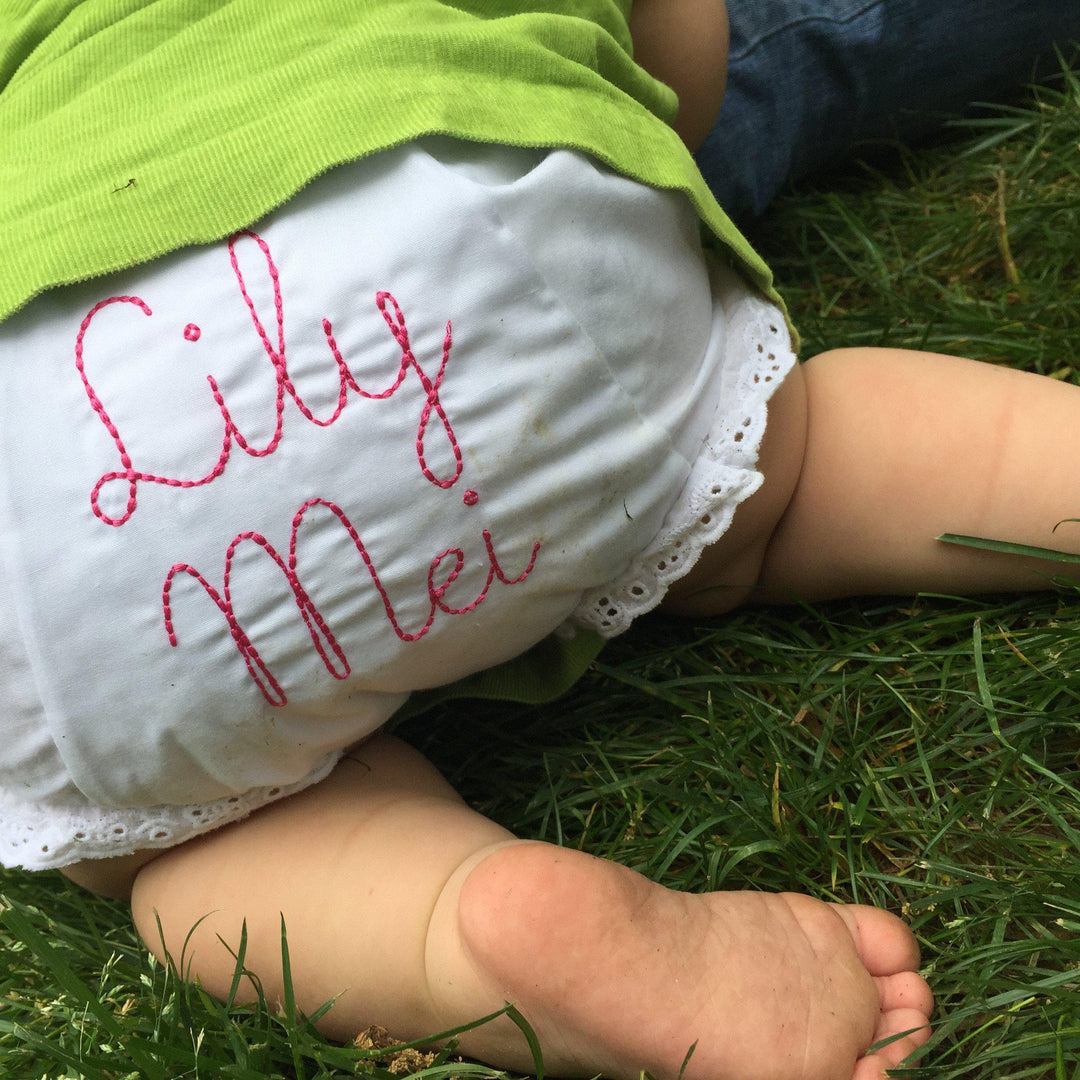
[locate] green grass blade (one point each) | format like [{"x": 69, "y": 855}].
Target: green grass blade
[
  {"x": 1007, "y": 548},
  {"x": 530, "y": 1037}
]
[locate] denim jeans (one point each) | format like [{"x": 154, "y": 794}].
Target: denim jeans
[{"x": 810, "y": 79}]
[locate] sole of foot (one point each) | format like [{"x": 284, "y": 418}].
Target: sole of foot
[{"x": 617, "y": 974}]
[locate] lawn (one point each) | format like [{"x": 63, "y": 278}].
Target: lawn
[{"x": 920, "y": 753}]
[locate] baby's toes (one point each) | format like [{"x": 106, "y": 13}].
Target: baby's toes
[
  {"x": 871, "y": 1068},
  {"x": 884, "y": 943},
  {"x": 905, "y": 990},
  {"x": 907, "y": 1028}
]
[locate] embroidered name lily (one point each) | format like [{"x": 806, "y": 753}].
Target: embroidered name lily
[{"x": 323, "y": 639}]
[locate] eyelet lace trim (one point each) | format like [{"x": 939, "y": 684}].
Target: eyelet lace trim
[
  {"x": 758, "y": 351},
  {"x": 44, "y": 837}
]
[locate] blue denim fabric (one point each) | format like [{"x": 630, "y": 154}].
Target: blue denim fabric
[{"x": 808, "y": 79}]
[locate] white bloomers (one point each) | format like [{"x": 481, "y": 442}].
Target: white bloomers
[{"x": 445, "y": 402}]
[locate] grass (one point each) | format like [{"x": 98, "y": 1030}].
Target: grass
[{"x": 921, "y": 754}]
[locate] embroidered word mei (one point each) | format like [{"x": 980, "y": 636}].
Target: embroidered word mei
[{"x": 323, "y": 639}]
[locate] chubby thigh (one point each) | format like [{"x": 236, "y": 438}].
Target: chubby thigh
[{"x": 255, "y": 493}]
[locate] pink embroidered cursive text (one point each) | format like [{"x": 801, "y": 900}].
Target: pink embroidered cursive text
[
  {"x": 274, "y": 349},
  {"x": 323, "y": 639},
  {"x": 443, "y": 569}
]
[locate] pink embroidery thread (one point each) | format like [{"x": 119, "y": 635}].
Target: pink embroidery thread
[
  {"x": 322, "y": 637},
  {"x": 129, "y": 472},
  {"x": 395, "y": 321}
]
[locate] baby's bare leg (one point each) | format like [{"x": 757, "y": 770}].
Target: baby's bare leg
[
  {"x": 903, "y": 447},
  {"x": 422, "y": 915},
  {"x": 871, "y": 454}
]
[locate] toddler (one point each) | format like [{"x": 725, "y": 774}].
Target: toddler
[{"x": 376, "y": 343}]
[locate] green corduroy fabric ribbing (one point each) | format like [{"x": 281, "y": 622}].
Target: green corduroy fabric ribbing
[{"x": 130, "y": 128}]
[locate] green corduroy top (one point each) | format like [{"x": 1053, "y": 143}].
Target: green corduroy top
[{"x": 131, "y": 128}]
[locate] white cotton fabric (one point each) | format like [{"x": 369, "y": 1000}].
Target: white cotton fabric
[{"x": 332, "y": 498}]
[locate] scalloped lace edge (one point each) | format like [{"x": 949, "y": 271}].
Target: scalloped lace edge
[
  {"x": 723, "y": 476},
  {"x": 36, "y": 836}
]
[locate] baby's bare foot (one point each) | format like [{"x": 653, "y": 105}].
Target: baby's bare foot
[{"x": 618, "y": 974}]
